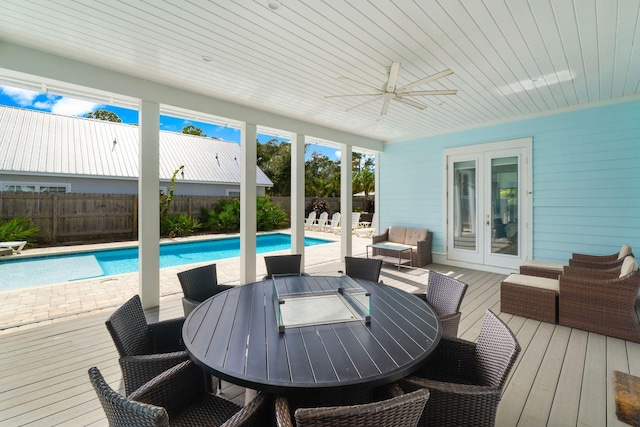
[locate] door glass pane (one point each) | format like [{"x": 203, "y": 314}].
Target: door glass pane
[
  {"x": 504, "y": 206},
  {"x": 464, "y": 205}
]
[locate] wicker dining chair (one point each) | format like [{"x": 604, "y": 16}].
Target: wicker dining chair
[
  {"x": 445, "y": 295},
  {"x": 283, "y": 264},
  {"x": 198, "y": 284},
  {"x": 176, "y": 397},
  {"x": 399, "y": 409},
  {"x": 363, "y": 268},
  {"x": 465, "y": 378},
  {"x": 146, "y": 350}
]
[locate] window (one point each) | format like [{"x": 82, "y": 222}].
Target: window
[
  {"x": 18, "y": 187},
  {"x": 235, "y": 194}
]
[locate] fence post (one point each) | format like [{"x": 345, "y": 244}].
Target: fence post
[
  {"x": 54, "y": 219},
  {"x": 134, "y": 224}
]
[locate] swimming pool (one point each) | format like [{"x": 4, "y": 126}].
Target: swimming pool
[{"x": 45, "y": 270}]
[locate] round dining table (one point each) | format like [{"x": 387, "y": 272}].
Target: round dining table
[{"x": 235, "y": 336}]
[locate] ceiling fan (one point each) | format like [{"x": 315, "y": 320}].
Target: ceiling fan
[{"x": 391, "y": 92}]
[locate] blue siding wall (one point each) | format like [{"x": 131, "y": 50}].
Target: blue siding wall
[{"x": 586, "y": 179}]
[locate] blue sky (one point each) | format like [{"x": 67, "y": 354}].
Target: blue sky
[{"x": 22, "y": 98}]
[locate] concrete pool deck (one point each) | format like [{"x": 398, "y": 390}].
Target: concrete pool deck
[{"x": 30, "y": 307}]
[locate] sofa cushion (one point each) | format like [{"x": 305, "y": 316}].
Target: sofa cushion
[
  {"x": 414, "y": 235},
  {"x": 624, "y": 251},
  {"x": 628, "y": 265},
  {"x": 397, "y": 234}
]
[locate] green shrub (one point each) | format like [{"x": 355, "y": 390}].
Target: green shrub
[
  {"x": 225, "y": 217},
  {"x": 18, "y": 229},
  {"x": 269, "y": 216},
  {"x": 178, "y": 225}
]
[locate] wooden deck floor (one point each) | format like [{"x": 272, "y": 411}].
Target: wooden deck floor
[{"x": 563, "y": 376}]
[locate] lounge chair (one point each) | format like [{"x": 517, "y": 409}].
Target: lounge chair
[
  {"x": 310, "y": 221},
  {"x": 176, "y": 397},
  {"x": 368, "y": 230},
  {"x": 16, "y": 247},
  {"x": 355, "y": 221},
  {"x": 322, "y": 221},
  {"x": 334, "y": 223}
]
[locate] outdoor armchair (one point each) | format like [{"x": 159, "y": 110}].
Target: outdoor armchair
[
  {"x": 445, "y": 295},
  {"x": 199, "y": 284},
  {"x": 363, "y": 268},
  {"x": 146, "y": 350},
  {"x": 398, "y": 410},
  {"x": 465, "y": 378},
  {"x": 176, "y": 397},
  {"x": 601, "y": 301},
  {"x": 601, "y": 261}
]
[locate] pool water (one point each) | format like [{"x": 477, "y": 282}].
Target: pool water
[{"x": 36, "y": 271}]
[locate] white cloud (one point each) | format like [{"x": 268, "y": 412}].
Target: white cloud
[
  {"x": 73, "y": 107},
  {"x": 44, "y": 105},
  {"x": 22, "y": 97},
  {"x": 338, "y": 153}
]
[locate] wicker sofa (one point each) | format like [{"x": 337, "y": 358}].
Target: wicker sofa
[{"x": 419, "y": 239}]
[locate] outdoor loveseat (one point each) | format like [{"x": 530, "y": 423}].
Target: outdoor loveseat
[{"x": 419, "y": 240}]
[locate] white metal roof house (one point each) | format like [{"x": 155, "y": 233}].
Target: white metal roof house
[{"x": 45, "y": 152}]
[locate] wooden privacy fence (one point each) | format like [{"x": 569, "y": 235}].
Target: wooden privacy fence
[{"x": 66, "y": 217}]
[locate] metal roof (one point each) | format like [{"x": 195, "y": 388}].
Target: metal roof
[{"x": 34, "y": 142}]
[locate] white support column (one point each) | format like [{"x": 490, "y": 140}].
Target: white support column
[
  {"x": 148, "y": 206},
  {"x": 248, "y": 220},
  {"x": 346, "y": 200},
  {"x": 376, "y": 189},
  {"x": 297, "y": 195}
]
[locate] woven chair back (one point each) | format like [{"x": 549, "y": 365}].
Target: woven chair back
[
  {"x": 283, "y": 264},
  {"x": 363, "y": 268},
  {"x": 199, "y": 283},
  {"x": 445, "y": 293},
  {"x": 497, "y": 350},
  {"x": 122, "y": 412},
  {"x": 129, "y": 329}
]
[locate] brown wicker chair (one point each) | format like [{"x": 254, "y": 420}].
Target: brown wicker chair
[
  {"x": 363, "y": 268},
  {"x": 283, "y": 264},
  {"x": 601, "y": 261},
  {"x": 601, "y": 301},
  {"x": 146, "y": 350},
  {"x": 445, "y": 295},
  {"x": 176, "y": 397},
  {"x": 398, "y": 409},
  {"x": 198, "y": 284},
  {"x": 465, "y": 378}
]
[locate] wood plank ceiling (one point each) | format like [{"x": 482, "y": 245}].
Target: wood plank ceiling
[{"x": 510, "y": 58}]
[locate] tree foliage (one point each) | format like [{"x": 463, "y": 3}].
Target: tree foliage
[
  {"x": 274, "y": 158},
  {"x": 192, "y": 130},
  {"x": 105, "y": 115}
]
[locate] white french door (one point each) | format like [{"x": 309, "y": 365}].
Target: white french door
[{"x": 488, "y": 203}]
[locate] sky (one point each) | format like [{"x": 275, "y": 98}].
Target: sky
[{"x": 22, "y": 98}]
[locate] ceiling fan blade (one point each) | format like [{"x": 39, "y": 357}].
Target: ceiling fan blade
[
  {"x": 385, "y": 106},
  {"x": 356, "y": 94},
  {"x": 426, "y": 80},
  {"x": 348, "y": 80},
  {"x": 393, "y": 76},
  {"x": 363, "y": 103},
  {"x": 411, "y": 103},
  {"x": 428, "y": 92}
]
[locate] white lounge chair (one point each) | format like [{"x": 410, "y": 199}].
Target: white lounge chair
[
  {"x": 368, "y": 230},
  {"x": 322, "y": 221},
  {"x": 16, "y": 247},
  {"x": 355, "y": 221},
  {"x": 334, "y": 224},
  {"x": 310, "y": 221}
]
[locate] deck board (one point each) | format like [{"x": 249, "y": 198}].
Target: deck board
[{"x": 562, "y": 377}]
